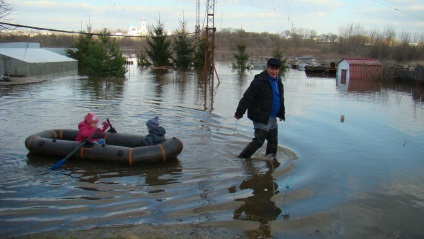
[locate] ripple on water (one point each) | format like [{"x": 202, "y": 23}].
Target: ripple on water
[{"x": 329, "y": 162}]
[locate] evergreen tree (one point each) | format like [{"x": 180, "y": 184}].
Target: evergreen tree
[
  {"x": 199, "y": 57},
  {"x": 183, "y": 48},
  {"x": 158, "y": 50},
  {"x": 278, "y": 54},
  {"x": 81, "y": 49},
  {"x": 242, "y": 59},
  {"x": 97, "y": 56},
  {"x": 95, "y": 60},
  {"x": 115, "y": 61}
]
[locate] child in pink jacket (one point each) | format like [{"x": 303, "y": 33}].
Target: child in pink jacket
[{"x": 89, "y": 126}]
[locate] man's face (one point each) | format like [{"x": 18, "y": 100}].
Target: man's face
[{"x": 272, "y": 71}]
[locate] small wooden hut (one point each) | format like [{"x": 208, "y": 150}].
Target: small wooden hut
[{"x": 369, "y": 69}]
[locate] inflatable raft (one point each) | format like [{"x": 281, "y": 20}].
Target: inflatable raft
[{"x": 122, "y": 148}]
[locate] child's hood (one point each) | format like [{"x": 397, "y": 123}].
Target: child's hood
[{"x": 83, "y": 124}]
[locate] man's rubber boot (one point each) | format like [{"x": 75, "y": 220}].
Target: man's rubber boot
[
  {"x": 271, "y": 147},
  {"x": 272, "y": 138},
  {"x": 257, "y": 142}
]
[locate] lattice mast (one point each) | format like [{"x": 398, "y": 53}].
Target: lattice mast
[
  {"x": 197, "y": 27},
  {"x": 209, "y": 68}
]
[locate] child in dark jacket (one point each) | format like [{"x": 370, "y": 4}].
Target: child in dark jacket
[
  {"x": 156, "y": 132},
  {"x": 88, "y": 126}
]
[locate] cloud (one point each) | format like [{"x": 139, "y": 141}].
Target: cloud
[
  {"x": 57, "y": 5},
  {"x": 274, "y": 16}
]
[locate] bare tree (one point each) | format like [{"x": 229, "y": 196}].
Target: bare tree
[
  {"x": 285, "y": 34},
  {"x": 374, "y": 37},
  {"x": 313, "y": 34},
  {"x": 296, "y": 38},
  {"x": 352, "y": 39},
  {"x": 5, "y": 10},
  {"x": 389, "y": 36},
  {"x": 404, "y": 50},
  {"x": 382, "y": 42}
]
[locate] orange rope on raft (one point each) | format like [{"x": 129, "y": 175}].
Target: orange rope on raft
[
  {"x": 130, "y": 157},
  {"x": 82, "y": 153},
  {"x": 163, "y": 152}
]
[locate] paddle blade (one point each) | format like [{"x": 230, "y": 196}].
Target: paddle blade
[
  {"x": 58, "y": 164},
  {"x": 112, "y": 130}
]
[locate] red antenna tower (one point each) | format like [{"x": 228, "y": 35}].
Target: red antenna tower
[{"x": 209, "y": 68}]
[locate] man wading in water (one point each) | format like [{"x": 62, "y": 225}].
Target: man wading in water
[{"x": 264, "y": 102}]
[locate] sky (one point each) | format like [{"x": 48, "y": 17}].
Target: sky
[{"x": 272, "y": 16}]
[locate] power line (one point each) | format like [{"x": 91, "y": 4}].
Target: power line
[
  {"x": 80, "y": 32},
  {"x": 289, "y": 17},
  {"x": 37, "y": 28},
  {"x": 107, "y": 14},
  {"x": 399, "y": 10}
]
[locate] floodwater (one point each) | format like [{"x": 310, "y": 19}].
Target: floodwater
[{"x": 351, "y": 159}]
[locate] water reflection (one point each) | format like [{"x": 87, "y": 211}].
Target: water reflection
[
  {"x": 355, "y": 85},
  {"x": 413, "y": 88},
  {"x": 92, "y": 174},
  {"x": 101, "y": 88},
  {"x": 206, "y": 92},
  {"x": 380, "y": 142},
  {"x": 260, "y": 206},
  {"x": 364, "y": 86},
  {"x": 324, "y": 74},
  {"x": 156, "y": 177}
]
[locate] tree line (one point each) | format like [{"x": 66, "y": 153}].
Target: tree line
[
  {"x": 352, "y": 41},
  {"x": 182, "y": 50}
]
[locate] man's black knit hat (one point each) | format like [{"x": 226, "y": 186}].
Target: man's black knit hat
[{"x": 273, "y": 62}]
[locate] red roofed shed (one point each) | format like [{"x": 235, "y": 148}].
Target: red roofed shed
[{"x": 359, "y": 69}]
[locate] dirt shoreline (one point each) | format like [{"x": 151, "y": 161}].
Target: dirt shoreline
[
  {"x": 24, "y": 80},
  {"x": 175, "y": 231},
  {"x": 32, "y": 79}
]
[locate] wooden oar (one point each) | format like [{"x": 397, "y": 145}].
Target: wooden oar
[
  {"x": 111, "y": 130},
  {"x": 60, "y": 162}
]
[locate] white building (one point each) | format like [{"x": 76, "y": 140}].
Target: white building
[
  {"x": 135, "y": 30},
  {"x": 28, "y": 59}
]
